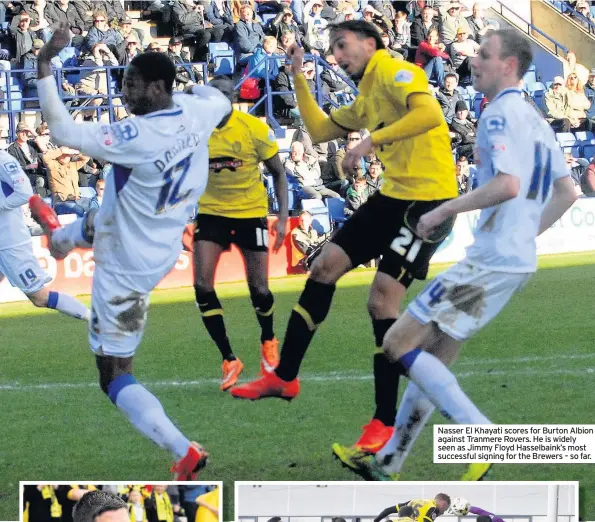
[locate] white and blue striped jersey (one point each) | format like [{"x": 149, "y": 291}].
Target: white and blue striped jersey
[
  {"x": 15, "y": 191},
  {"x": 160, "y": 169},
  {"x": 513, "y": 138}
]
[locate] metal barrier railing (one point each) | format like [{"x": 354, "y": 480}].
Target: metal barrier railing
[
  {"x": 267, "y": 97},
  {"x": 14, "y": 102},
  {"x": 500, "y": 8},
  {"x": 564, "y": 8}
]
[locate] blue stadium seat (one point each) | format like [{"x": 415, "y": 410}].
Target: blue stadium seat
[
  {"x": 539, "y": 99},
  {"x": 589, "y": 152},
  {"x": 69, "y": 56},
  {"x": 267, "y": 17},
  {"x": 215, "y": 47},
  {"x": 477, "y": 103},
  {"x": 565, "y": 139},
  {"x": 575, "y": 150},
  {"x": 321, "y": 221},
  {"x": 585, "y": 137},
  {"x": 87, "y": 192},
  {"x": 530, "y": 76},
  {"x": 471, "y": 90},
  {"x": 336, "y": 208},
  {"x": 224, "y": 62},
  {"x": 535, "y": 87},
  {"x": 314, "y": 206}
]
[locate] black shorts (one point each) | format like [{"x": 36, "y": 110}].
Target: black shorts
[
  {"x": 245, "y": 233},
  {"x": 385, "y": 227}
]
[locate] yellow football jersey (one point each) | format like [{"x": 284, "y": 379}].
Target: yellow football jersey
[
  {"x": 419, "y": 168},
  {"x": 235, "y": 188},
  {"x": 423, "y": 510}
]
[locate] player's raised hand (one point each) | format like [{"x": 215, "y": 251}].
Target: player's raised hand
[
  {"x": 279, "y": 231},
  {"x": 296, "y": 53},
  {"x": 353, "y": 156},
  {"x": 60, "y": 39}
]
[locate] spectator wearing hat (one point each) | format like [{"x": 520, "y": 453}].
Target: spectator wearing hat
[
  {"x": 422, "y": 26},
  {"x": 448, "y": 96},
  {"x": 317, "y": 37},
  {"x": 430, "y": 56},
  {"x": 590, "y": 94},
  {"x": 248, "y": 34},
  {"x": 583, "y": 16},
  {"x": 186, "y": 74},
  {"x": 29, "y": 77},
  {"x": 578, "y": 104},
  {"x": 102, "y": 33},
  {"x": 64, "y": 11},
  {"x": 346, "y": 13},
  {"x": 190, "y": 20},
  {"x": 374, "y": 177},
  {"x": 556, "y": 104},
  {"x": 219, "y": 16},
  {"x": 283, "y": 23},
  {"x": 63, "y": 165},
  {"x": 304, "y": 240},
  {"x": 462, "y": 50},
  {"x": 479, "y": 25},
  {"x": 125, "y": 29},
  {"x": 25, "y": 150},
  {"x": 464, "y": 128},
  {"x": 452, "y": 19},
  {"x": 383, "y": 22}
]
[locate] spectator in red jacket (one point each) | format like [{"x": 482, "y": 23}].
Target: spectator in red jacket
[{"x": 430, "y": 57}]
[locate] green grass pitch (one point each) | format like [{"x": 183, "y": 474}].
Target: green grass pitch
[{"x": 534, "y": 364}]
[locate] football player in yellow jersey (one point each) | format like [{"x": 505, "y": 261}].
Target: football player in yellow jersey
[
  {"x": 233, "y": 209},
  {"x": 425, "y": 510},
  {"x": 410, "y": 136}
]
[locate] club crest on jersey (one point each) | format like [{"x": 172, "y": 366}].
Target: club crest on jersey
[
  {"x": 236, "y": 147},
  {"x": 11, "y": 167},
  {"x": 495, "y": 124},
  {"x": 124, "y": 131},
  {"x": 404, "y": 76}
]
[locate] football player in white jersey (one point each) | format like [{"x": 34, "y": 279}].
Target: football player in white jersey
[
  {"x": 17, "y": 260},
  {"x": 160, "y": 169},
  {"x": 519, "y": 164}
]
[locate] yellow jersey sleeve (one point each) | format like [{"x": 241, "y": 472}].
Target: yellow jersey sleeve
[
  {"x": 265, "y": 142},
  {"x": 401, "y": 80},
  {"x": 347, "y": 117}
]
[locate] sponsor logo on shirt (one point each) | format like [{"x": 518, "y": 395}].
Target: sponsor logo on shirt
[
  {"x": 404, "y": 76},
  {"x": 218, "y": 164}
]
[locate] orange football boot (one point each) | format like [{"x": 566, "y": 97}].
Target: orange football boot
[
  {"x": 188, "y": 467},
  {"x": 269, "y": 385},
  {"x": 269, "y": 356},
  {"x": 231, "y": 372},
  {"x": 47, "y": 219},
  {"x": 374, "y": 437}
]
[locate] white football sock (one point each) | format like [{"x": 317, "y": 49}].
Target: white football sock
[
  {"x": 68, "y": 305},
  {"x": 146, "y": 413},
  {"x": 414, "y": 412},
  {"x": 70, "y": 236},
  {"x": 442, "y": 388}
]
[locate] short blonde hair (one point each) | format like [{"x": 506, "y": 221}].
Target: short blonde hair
[{"x": 269, "y": 40}]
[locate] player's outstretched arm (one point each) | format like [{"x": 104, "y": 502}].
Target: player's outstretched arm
[
  {"x": 499, "y": 189},
  {"x": 424, "y": 114},
  {"x": 218, "y": 102},
  {"x": 482, "y": 512},
  {"x": 62, "y": 127},
  {"x": 320, "y": 127},
  {"x": 563, "y": 196},
  {"x": 388, "y": 511},
  {"x": 13, "y": 175}
]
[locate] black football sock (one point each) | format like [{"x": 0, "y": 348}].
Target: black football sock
[
  {"x": 264, "y": 306},
  {"x": 311, "y": 310},
  {"x": 211, "y": 312},
  {"x": 386, "y": 376}
]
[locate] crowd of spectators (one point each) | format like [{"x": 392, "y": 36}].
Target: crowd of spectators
[
  {"x": 441, "y": 36},
  {"x": 146, "y": 503}
]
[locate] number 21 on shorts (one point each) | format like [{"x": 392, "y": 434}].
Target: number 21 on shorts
[{"x": 406, "y": 244}]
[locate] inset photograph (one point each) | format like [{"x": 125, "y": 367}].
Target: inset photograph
[
  {"x": 407, "y": 502},
  {"x": 121, "y": 502}
]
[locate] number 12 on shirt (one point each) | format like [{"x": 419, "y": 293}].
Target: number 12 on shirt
[{"x": 169, "y": 197}]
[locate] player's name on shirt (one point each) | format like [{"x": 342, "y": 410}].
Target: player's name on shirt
[{"x": 190, "y": 141}]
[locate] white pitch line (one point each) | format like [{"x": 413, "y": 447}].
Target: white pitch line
[{"x": 324, "y": 377}]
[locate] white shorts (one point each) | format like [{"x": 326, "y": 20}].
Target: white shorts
[
  {"x": 464, "y": 298},
  {"x": 22, "y": 269},
  {"x": 119, "y": 306}
]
